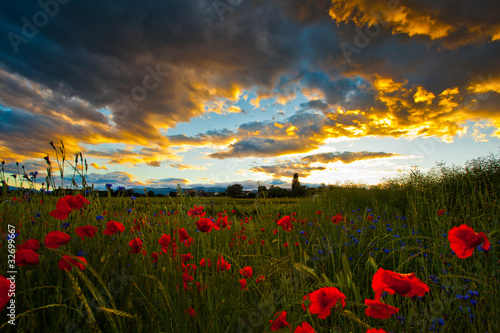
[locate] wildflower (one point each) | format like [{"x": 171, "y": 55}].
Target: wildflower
[
  {"x": 247, "y": 272},
  {"x": 305, "y": 328},
  {"x": 113, "y": 227},
  {"x": 243, "y": 284},
  {"x": 279, "y": 322},
  {"x": 86, "y": 231},
  {"x": 136, "y": 245},
  {"x": 403, "y": 284},
  {"x": 374, "y": 330},
  {"x": 205, "y": 263},
  {"x": 196, "y": 211},
  {"x": 285, "y": 223},
  {"x": 27, "y": 257},
  {"x": 337, "y": 218},
  {"x": 204, "y": 224},
  {"x": 62, "y": 209},
  {"x": 323, "y": 299},
  {"x": 222, "y": 223},
  {"x": 440, "y": 212},
  {"x": 32, "y": 244},
  {"x": 68, "y": 262},
  {"x": 260, "y": 279},
  {"x": 379, "y": 310},
  {"x": 222, "y": 264},
  {"x": 182, "y": 234},
  {"x": 464, "y": 239},
  {"x": 55, "y": 239},
  {"x": 6, "y": 286}
]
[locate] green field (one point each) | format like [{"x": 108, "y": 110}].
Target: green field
[{"x": 395, "y": 226}]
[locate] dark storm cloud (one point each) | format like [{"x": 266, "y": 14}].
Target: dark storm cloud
[{"x": 101, "y": 72}]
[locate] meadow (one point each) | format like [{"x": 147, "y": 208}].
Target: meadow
[{"x": 151, "y": 277}]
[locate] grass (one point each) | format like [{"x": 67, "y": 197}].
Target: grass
[{"x": 395, "y": 226}]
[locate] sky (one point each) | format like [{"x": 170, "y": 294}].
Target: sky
[{"x": 216, "y": 92}]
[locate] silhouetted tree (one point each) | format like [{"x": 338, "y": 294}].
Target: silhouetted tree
[
  {"x": 262, "y": 191},
  {"x": 235, "y": 190},
  {"x": 297, "y": 189}
]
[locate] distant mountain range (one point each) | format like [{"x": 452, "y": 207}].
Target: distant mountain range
[{"x": 167, "y": 190}]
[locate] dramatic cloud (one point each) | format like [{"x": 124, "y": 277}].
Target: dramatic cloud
[
  {"x": 304, "y": 166},
  {"x": 319, "y": 70},
  {"x": 453, "y": 23}
]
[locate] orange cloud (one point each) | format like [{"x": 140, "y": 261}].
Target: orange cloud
[{"x": 96, "y": 166}]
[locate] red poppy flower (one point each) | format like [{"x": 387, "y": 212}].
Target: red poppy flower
[
  {"x": 337, "y": 218},
  {"x": 187, "y": 257},
  {"x": 136, "y": 245},
  {"x": 204, "y": 224},
  {"x": 243, "y": 284},
  {"x": 464, "y": 239},
  {"x": 305, "y": 328},
  {"x": 68, "y": 262},
  {"x": 440, "y": 212},
  {"x": 154, "y": 256},
  {"x": 285, "y": 223},
  {"x": 62, "y": 209},
  {"x": 76, "y": 202},
  {"x": 191, "y": 311},
  {"x": 54, "y": 239},
  {"x": 27, "y": 257},
  {"x": 189, "y": 242},
  {"x": 279, "y": 322},
  {"x": 222, "y": 264},
  {"x": 374, "y": 330},
  {"x": 260, "y": 279},
  {"x": 403, "y": 284},
  {"x": 319, "y": 212},
  {"x": 205, "y": 262},
  {"x": 285, "y": 245},
  {"x": 32, "y": 244},
  {"x": 6, "y": 287},
  {"x": 113, "y": 227},
  {"x": 187, "y": 278},
  {"x": 82, "y": 201},
  {"x": 86, "y": 231},
  {"x": 196, "y": 211},
  {"x": 222, "y": 223},
  {"x": 165, "y": 240},
  {"x": 379, "y": 310},
  {"x": 369, "y": 218},
  {"x": 247, "y": 272},
  {"x": 323, "y": 299},
  {"x": 183, "y": 235}
]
